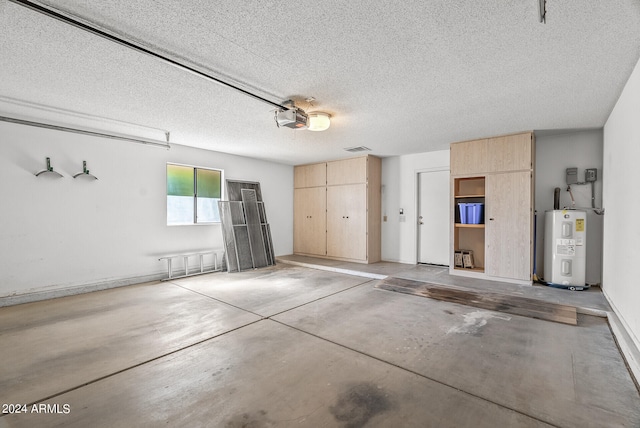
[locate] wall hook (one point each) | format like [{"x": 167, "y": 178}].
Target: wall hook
[
  {"x": 85, "y": 172},
  {"x": 48, "y": 170}
]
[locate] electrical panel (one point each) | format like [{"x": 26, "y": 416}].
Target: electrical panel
[
  {"x": 590, "y": 174},
  {"x": 572, "y": 175}
]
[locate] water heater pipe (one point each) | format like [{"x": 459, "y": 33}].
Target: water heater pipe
[{"x": 556, "y": 198}]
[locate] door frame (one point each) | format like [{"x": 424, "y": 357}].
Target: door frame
[{"x": 416, "y": 180}]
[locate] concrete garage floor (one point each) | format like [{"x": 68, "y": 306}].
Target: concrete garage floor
[{"x": 294, "y": 346}]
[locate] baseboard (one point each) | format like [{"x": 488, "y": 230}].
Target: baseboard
[
  {"x": 404, "y": 262},
  {"x": 627, "y": 342},
  {"x": 332, "y": 269},
  {"x": 36, "y": 296}
]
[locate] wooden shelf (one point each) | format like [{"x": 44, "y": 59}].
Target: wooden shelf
[
  {"x": 471, "y": 226},
  {"x": 469, "y": 196}
]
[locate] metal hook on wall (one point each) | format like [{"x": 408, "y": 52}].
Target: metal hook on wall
[
  {"x": 48, "y": 170},
  {"x": 85, "y": 172}
]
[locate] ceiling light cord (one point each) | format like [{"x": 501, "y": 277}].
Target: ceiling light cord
[{"x": 86, "y": 27}]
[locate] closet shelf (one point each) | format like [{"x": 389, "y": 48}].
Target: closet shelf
[
  {"x": 469, "y": 196},
  {"x": 470, "y": 226}
]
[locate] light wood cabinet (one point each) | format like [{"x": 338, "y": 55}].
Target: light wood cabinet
[
  {"x": 313, "y": 175},
  {"x": 347, "y": 221},
  {"x": 508, "y": 225},
  {"x": 309, "y": 222},
  {"x": 509, "y": 153},
  {"x": 467, "y": 236},
  {"x": 501, "y": 178},
  {"x": 352, "y": 209},
  {"x": 468, "y": 157},
  {"x": 347, "y": 171}
]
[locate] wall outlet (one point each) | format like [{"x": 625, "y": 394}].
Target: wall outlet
[{"x": 590, "y": 174}]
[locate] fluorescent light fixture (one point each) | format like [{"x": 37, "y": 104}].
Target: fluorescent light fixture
[
  {"x": 319, "y": 121},
  {"x": 38, "y": 115}
]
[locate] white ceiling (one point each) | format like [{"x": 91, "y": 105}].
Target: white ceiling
[{"x": 398, "y": 77}]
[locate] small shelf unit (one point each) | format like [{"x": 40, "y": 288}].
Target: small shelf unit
[{"x": 466, "y": 236}]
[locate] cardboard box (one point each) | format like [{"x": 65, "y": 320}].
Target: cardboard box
[
  {"x": 467, "y": 259},
  {"x": 457, "y": 258}
]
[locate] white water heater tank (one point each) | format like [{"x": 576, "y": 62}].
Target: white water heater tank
[{"x": 565, "y": 250}]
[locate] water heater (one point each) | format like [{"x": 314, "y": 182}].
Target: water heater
[{"x": 565, "y": 250}]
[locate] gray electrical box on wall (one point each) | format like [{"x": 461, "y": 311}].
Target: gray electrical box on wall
[
  {"x": 591, "y": 174},
  {"x": 572, "y": 175}
]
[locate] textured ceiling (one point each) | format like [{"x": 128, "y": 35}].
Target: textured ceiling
[{"x": 398, "y": 77}]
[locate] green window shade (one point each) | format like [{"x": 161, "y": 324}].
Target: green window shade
[
  {"x": 180, "y": 180},
  {"x": 208, "y": 183}
]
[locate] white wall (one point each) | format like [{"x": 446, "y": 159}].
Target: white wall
[
  {"x": 621, "y": 251},
  {"x": 554, "y": 154},
  {"x": 58, "y": 233},
  {"x": 399, "y": 181}
]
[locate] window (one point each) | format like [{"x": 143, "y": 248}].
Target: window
[{"x": 193, "y": 194}]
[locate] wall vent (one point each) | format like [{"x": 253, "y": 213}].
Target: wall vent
[{"x": 358, "y": 149}]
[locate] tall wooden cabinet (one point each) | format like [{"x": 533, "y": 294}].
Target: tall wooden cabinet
[
  {"x": 337, "y": 209},
  {"x": 497, "y": 172},
  {"x": 309, "y": 222}
]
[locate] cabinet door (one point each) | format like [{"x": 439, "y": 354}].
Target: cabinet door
[
  {"x": 309, "y": 221},
  {"x": 347, "y": 221},
  {"x": 508, "y": 225},
  {"x": 468, "y": 157},
  {"x": 314, "y": 175},
  {"x": 510, "y": 153},
  {"x": 347, "y": 171}
]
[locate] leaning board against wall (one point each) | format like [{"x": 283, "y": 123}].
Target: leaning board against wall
[
  {"x": 492, "y": 208},
  {"x": 337, "y": 209}
]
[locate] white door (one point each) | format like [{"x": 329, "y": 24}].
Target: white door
[{"x": 433, "y": 217}]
